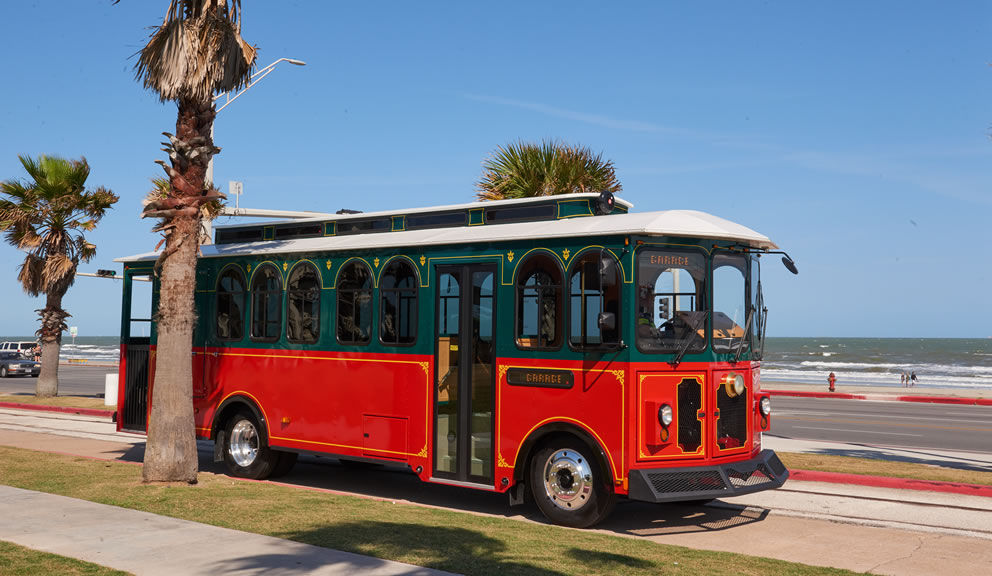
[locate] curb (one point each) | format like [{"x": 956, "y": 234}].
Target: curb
[
  {"x": 883, "y": 397},
  {"x": 887, "y": 482},
  {"x": 63, "y": 409}
]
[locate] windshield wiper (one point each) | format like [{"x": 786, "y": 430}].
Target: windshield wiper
[
  {"x": 695, "y": 326},
  {"x": 761, "y": 331},
  {"x": 747, "y": 327}
]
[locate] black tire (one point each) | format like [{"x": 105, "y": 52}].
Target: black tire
[
  {"x": 569, "y": 485},
  {"x": 285, "y": 464},
  {"x": 3, "y": 371},
  {"x": 246, "y": 453}
]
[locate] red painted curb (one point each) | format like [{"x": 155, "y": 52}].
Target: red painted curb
[
  {"x": 921, "y": 399},
  {"x": 886, "y": 482},
  {"x": 938, "y": 399},
  {"x": 62, "y": 409}
]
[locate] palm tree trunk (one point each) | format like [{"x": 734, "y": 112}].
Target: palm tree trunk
[
  {"x": 170, "y": 452},
  {"x": 52, "y": 319}
]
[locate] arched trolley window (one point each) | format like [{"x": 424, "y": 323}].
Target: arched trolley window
[
  {"x": 398, "y": 305},
  {"x": 230, "y": 321},
  {"x": 671, "y": 301},
  {"x": 303, "y": 305},
  {"x": 266, "y": 304},
  {"x": 539, "y": 303},
  {"x": 354, "y": 314}
]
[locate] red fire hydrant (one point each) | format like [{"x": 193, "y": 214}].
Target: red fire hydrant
[{"x": 832, "y": 380}]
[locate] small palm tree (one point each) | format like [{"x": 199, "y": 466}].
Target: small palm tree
[
  {"x": 523, "y": 170},
  {"x": 195, "y": 53},
  {"x": 46, "y": 217}
]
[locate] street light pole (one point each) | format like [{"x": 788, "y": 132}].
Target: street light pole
[{"x": 255, "y": 78}]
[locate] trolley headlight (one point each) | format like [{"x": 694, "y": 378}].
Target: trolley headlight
[
  {"x": 665, "y": 415},
  {"x": 766, "y": 406},
  {"x": 734, "y": 384}
]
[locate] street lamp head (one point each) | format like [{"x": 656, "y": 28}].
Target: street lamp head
[{"x": 297, "y": 62}]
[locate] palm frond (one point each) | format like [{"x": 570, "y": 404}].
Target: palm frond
[
  {"x": 46, "y": 216},
  {"x": 523, "y": 170},
  {"x": 197, "y": 51}
]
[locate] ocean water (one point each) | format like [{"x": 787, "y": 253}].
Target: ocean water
[
  {"x": 101, "y": 349},
  {"x": 941, "y": 362}
]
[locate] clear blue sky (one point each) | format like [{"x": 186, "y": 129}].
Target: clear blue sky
[{"x": 854, "y": 134}]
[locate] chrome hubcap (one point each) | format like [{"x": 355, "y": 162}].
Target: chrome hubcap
[
  {"x": 568, "y": 480},
  {"x": 244, "y": 443}
]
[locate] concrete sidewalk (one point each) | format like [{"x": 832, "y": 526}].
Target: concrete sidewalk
[
  {"x": 150, "y": 545},
  {"x": 877, "y": 530}
]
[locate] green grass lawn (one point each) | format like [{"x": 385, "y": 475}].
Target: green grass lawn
[
  {"x": 871, "y": 467},
  {"x": 59, "y": 401},
  {"x": 20, "y": 561},
  {"x": 443, "y": 539}
]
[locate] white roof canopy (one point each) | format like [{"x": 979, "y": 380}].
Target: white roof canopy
[{"x": 675, "y": 223}]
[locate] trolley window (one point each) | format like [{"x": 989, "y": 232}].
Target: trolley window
[
  {"x": 594, "y": 302},
  {"x": 398, "y": 305},
  {"x": 230, "y": 323},
  {"x": 266, "y": 304},
  {"x": 671, "y": 306},
  {"x": 354, "y": 304},
  {"x": 303, "y": 305},
  {"x": 539, "y": 303},
  {"x": 729, "y": 301}
]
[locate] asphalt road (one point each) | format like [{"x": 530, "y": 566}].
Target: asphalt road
[
  {"x": 902, "y": 424},
  {"x": 74, "y": 380}
]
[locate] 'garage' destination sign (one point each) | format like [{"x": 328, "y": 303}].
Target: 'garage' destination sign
[{"x": 541, "y": 378}]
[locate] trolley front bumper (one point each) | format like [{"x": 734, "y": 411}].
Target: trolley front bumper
[{"x": 763, "y": 472}]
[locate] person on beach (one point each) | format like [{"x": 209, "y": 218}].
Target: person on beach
[
  {"x": 902, "y": 379},
  {"x": 913, "y": 378}
]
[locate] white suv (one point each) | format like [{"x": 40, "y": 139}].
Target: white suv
[{"x": 23, "y": 347}]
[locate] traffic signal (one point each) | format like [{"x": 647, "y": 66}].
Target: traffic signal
[
  {"x": 110, "y": 273},
  {"x": 663, "y": 309}
]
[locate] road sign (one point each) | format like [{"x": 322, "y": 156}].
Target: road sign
[
  {"x": 73, "y": 331},
  {"x": 235, "y": 188}
]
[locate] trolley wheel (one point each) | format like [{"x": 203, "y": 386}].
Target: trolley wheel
[
  {"x": 285, "y": 464},
  {"x": 568, "y": 486},
  {"x": 245, "y": 454}
]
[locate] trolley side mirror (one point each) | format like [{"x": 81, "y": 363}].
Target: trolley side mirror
[
  {"x": 607, "y": 271},
  {"x": 607, "y": 321},
  {"x": 790, "y": 264}
]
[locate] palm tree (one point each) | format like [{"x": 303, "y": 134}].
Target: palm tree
[
  {"x": 195, "y": 53},
  {"x": 46, "y": 217},
  {"x": 523, "y": 170}
]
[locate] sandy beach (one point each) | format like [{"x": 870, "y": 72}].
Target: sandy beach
[{"x": 881, "y": 391}]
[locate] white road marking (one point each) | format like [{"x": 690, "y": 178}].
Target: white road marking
[{"x": 858, "y": 431}]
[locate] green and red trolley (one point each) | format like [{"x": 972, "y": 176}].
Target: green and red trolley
[{"x": 562, "y": 345}]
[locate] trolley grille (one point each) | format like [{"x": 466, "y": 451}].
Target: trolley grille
[
  {"x": 690, "y": 402},
  {"x": 763, "y": 472},
  {"x": 731, "y": 427}
]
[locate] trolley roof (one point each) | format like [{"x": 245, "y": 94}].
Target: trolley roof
[{"x": 675, "y": 223}]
